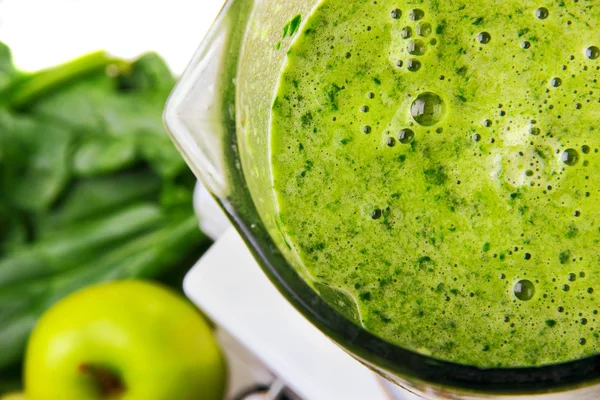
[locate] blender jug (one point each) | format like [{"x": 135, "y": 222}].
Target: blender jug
[{"x": 218, "y": 117}]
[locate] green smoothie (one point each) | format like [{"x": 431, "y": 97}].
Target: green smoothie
[{"x": 438, "y": 162}]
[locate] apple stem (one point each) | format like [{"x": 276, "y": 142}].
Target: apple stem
[{"x": 108, "y": 383}]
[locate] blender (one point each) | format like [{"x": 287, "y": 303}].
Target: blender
[{"x": 218, "y": 117}]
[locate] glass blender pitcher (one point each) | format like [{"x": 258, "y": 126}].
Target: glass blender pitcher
[{"x": 218, "y": 117}]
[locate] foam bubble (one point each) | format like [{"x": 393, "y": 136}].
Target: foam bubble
[
  {"x": 524, "y": 290},
  {"x": 428, "y": 109}
]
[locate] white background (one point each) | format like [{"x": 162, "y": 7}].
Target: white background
[{"x": 47, "y": 32}]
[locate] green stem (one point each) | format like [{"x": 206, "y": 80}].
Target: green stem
[
  {"x": 34, "y": 86},
  {"x": 107, "y": 382}
]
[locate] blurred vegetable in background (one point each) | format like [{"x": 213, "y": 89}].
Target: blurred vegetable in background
[{"x": 91, "y": 187}]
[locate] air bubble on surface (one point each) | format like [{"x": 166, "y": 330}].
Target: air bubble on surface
[
  {"x": 570, "y": 157},
  {"x": 424, "y": 29},
  {"x": 416, "y": 47},
  {"x": 592, "y": 52},
  {"x": 484, "y": 38},
  {"x": 524, "y": 290},
  {"x": 406, "y": 136},
  {"x": 428, "y": 109},
  {"x": 542, "y": 13},
  {"x": 556, "y": 82},
  {"x": 416, "y": 14},
  {"x": 413, "y": 65}
]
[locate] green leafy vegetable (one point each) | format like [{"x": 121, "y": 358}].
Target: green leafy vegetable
[
  {"x": 90, "y": 198},
  {"x": 35, "y": 161},
  {"x": 76, "y": 245},
  {"x": 102, "y": 154},
  {"x": 29, "y": 88},
  {"x": 91, "y": 187},
  {"x": 8, "y": 73}
]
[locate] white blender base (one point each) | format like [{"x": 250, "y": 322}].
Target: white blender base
[{"x": 229, "y": 286}]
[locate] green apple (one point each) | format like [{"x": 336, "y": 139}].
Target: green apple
[{"x": 127, "y": 340}]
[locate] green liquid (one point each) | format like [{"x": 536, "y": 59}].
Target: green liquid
[{"x": 440, "y": 167}]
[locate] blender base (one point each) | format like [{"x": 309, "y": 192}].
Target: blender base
[{"x": 259, "y": 328}]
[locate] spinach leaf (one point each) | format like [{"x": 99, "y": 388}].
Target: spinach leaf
[
  {"x": 95, "y": 197},
  {"x": 34, "y": 162},
  {"x": 149, "y": 72},
  {"x": 13, "y": 230},
  {"x": 102, "y": 154},
  {"x": 8, "y": 73},
  {"x": 127, "y": 108},
  {"x": 77, "y": 245},
  {"x": 29, "y": 87}
]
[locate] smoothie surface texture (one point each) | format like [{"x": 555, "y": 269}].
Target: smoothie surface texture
[{"x": 436, "y": 163}]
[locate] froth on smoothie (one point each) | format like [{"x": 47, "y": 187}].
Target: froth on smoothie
[{"x": 439, "y": 166}]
